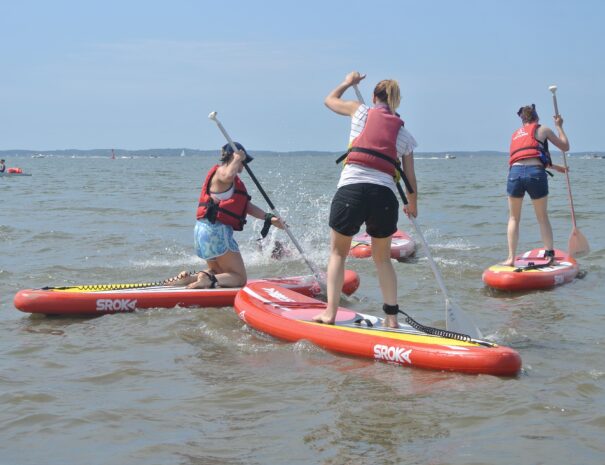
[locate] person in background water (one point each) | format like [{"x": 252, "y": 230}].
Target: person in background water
[
  {"x": 223, "y": 207},
  {"x": 2, "y": 166},
  {"x": 529, "y": 158},
  {"x": 366, "y": 191}
]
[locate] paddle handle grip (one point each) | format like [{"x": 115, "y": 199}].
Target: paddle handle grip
[
  {"x": 554, "y": 102},
  {"x": 225, "y": 133}
]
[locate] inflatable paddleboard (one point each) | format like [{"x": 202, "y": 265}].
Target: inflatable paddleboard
[
  {"x": 288, "y": 315},
  {"x": 101, "y": 299},
  {"x": 525, "y": 276},
  {"x": 402, "y": 246},
  {"x": 10, "y": 173}
]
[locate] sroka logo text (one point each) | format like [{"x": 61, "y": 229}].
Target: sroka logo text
[
  {"x": 392, "y": 354},
  {"x": 116, "y": 305}
]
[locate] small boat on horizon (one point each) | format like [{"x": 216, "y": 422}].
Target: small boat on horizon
[{"x": 450, "y": 157}]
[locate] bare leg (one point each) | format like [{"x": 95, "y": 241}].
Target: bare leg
[
  {"x": 339, "y": 249},
  {"x": 514, "y": 218},
  {"x": 202, "y": 281},
  {"x": 229, "y": 271},
  {"x": 182, "y": 279},
  {"x": 540, "y": 207},
  {"x": 381, "y": 253}
]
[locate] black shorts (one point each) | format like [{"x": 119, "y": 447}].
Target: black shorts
[{"x": 372, "y": 204}]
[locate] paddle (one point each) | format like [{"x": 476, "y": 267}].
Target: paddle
[
  {"x": 577, "y": 244},
  {"x": 318, "y": 275},
  {"x": 455, "y": 318}
]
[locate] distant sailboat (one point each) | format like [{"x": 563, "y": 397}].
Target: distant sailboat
[
  {"x": 183, "y": 153},
  {"x": 113, "y": 155}
]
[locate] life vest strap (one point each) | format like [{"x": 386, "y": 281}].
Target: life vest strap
[
  {"x": 212, "y": 209},
  {"x": 241, "y": 192},
  {"x": 382, "y": 156}
]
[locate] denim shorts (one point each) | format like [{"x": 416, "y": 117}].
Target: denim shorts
[
  {"x": 527, "y": 178},
  {"x": 372, "y": 204},
  {"x": 213, "y": 240}
]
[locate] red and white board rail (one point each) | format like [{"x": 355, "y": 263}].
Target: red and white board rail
[
  {"x": 100, "y": 299},
  {"x": 402, "y": 246},
  {"x": 288, "y": 315},
  {"x": 518, "y": 278}
]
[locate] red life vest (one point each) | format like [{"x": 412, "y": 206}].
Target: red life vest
[
  {"x": 231, "y": 212},
  {"x": 524, "y": 144},
  {"x": 376, "y": 146}
]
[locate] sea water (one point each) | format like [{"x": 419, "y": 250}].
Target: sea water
[{"x": 196, "y": 386}]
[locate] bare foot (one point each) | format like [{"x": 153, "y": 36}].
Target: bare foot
[
  {"x": 507, "y": 262},
  {"x": 182, "y": 279},
  {"x": 390, "y": 321},
  {"x": 202, "y": 281},
  {"x": 324, "y": 318}
]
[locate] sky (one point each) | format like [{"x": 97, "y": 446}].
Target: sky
[{"x": 134, "y": 74}]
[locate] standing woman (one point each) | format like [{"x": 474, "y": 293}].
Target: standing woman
[
  {"x": 529, "y": 158},
  {"x": 366, "y": 189},
  {"x": 223, "y": 207}
]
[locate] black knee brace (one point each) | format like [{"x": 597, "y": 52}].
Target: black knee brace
[{"x": 390, "y": 309}]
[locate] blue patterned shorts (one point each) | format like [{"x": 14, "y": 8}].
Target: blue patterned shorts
[{"x": 213, "y": 240}]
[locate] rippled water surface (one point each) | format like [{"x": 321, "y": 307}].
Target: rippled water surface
[{"x": 196, "y": 386}]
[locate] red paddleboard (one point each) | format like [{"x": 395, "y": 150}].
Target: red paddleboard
[
  {"x": 288, "y": 315},
  {"x": 402, "y": 246},
  {"x": 523, "y": 277},
  {"x": 101, "y": 299}
]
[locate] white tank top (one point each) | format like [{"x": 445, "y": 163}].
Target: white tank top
[{"x": 223, "y": 195}]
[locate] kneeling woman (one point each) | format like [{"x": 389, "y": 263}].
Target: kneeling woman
[{"x": 223, "y": 206}]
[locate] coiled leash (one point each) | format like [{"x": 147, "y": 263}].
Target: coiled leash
[{"x": 394, "y": 310}]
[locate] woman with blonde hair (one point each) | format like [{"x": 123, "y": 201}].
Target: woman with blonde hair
[{"x": 367, "y": 188}]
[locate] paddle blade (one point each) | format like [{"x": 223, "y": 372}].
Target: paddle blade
[
  {"x": 458, "y": 321},
  {"x": 578, "y": 245}
]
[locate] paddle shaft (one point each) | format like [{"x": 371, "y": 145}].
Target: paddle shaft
[
  {"x": 268, "y": 200},
  {"x": 573, "y": 213}
]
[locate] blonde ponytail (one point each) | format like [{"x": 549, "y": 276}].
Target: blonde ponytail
[{"x": 387, "y": 91}]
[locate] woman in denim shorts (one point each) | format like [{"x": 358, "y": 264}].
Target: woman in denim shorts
[{"x": 529, "y": 158}]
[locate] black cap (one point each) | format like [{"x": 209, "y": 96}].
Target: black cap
[{"x": 227, "y": 152}]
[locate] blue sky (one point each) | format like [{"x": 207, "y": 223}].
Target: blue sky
[{"x": 145, "y": 74}]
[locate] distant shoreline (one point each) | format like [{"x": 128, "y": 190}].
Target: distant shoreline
[{"x": 155, "y": 153}]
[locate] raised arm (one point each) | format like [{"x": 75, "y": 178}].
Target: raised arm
[
  {"x": 561, "y": 142},
  {"x": 226, "y": 173},
  {"x": 334, "y": 101}
]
